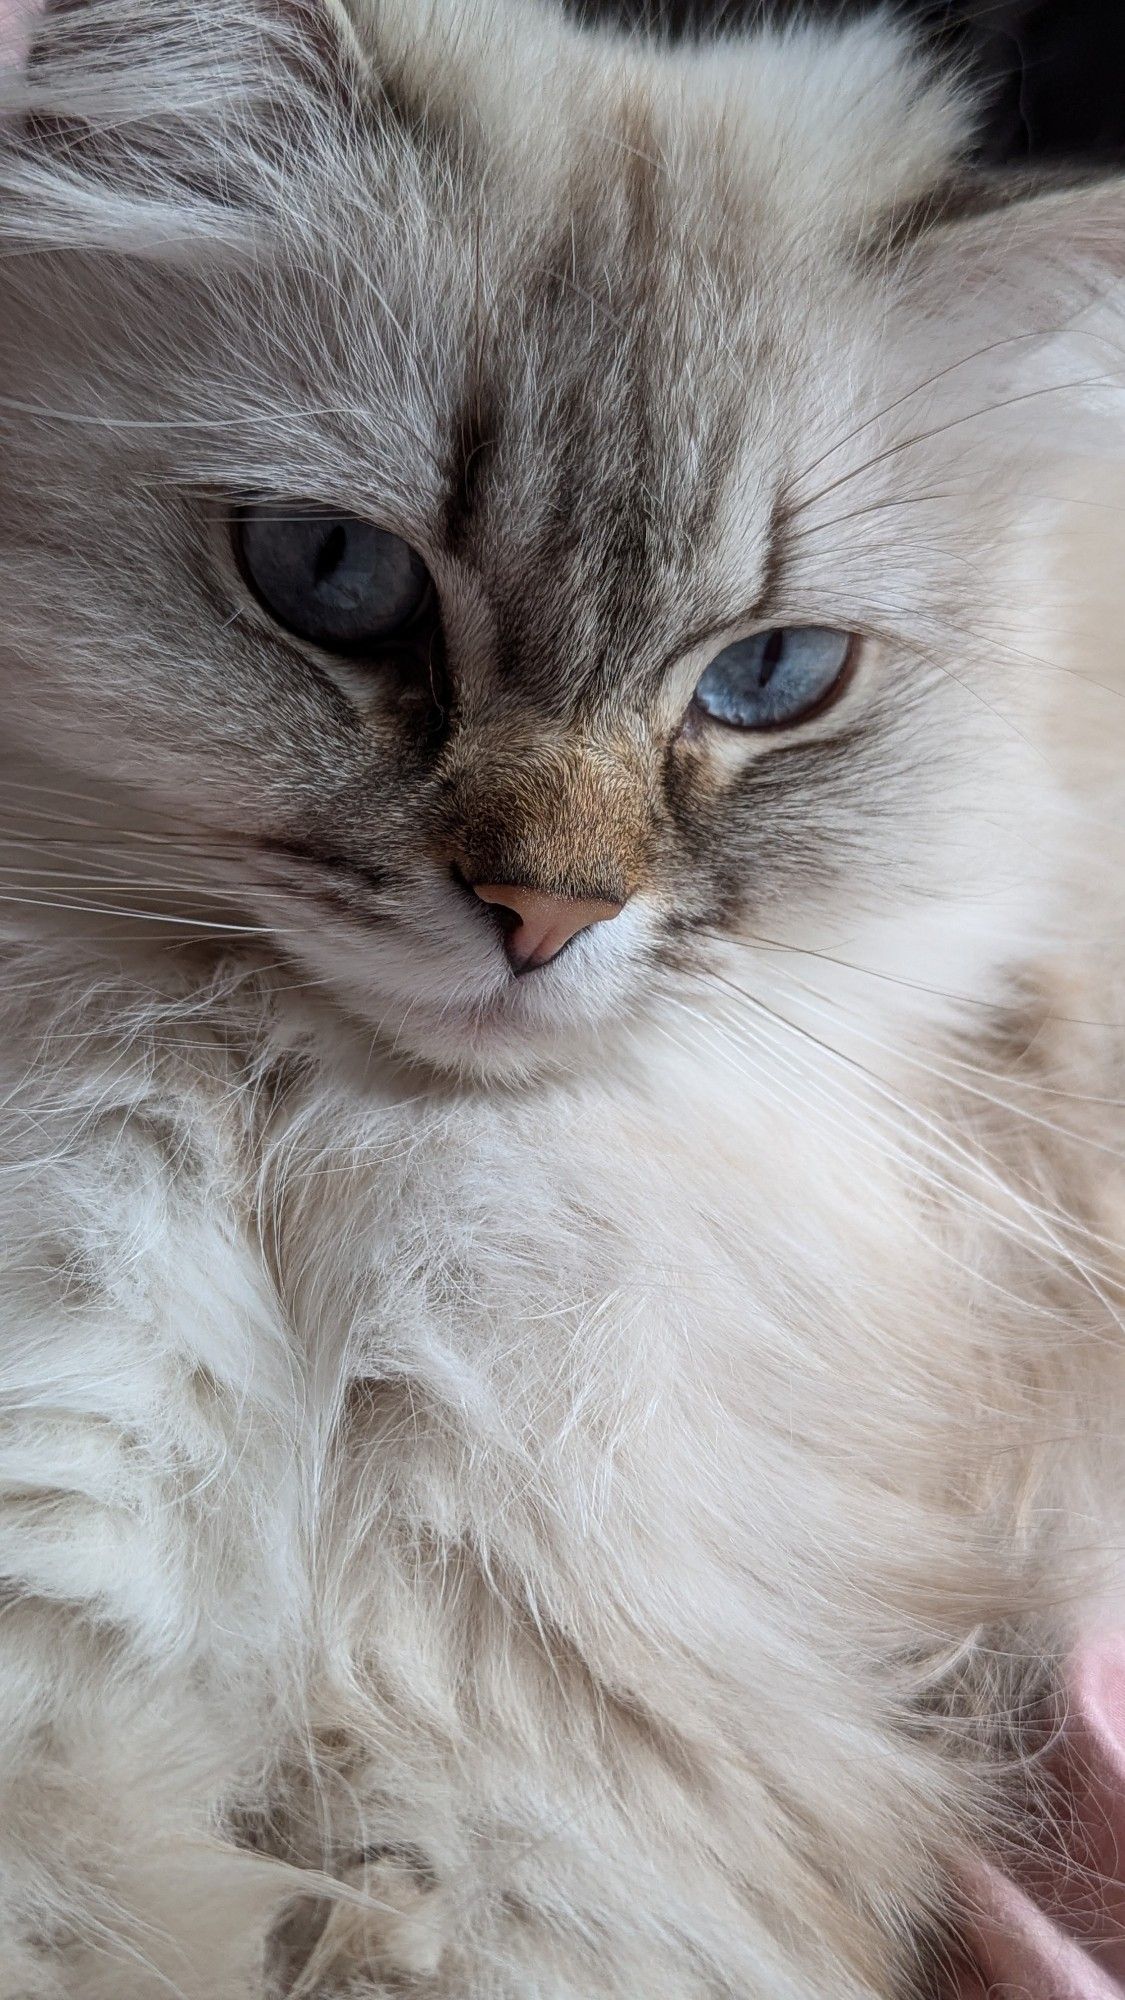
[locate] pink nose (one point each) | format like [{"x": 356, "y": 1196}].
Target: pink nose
[{"x": 543, "y": 924}]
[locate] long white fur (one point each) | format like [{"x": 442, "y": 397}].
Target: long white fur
[{"x": 577, "y": 1518}]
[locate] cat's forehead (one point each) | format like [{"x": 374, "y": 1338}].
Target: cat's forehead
[
  {"x": 624, "y": 286},
  {"x": 612, "y": 393},
  {"x": 567, "y": 316},
  {"x": 621, "y": 390}
]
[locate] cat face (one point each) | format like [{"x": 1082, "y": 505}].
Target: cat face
[{"x": 505, "y": 522}]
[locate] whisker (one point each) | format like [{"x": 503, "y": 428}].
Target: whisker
[
  {"x": 942, "y": 430},
  {"x": 960, "y": 1084},
  {"x": 1036, "y": 1231},
  {"x": 755, "y": 940},
  {"x": 940, "y": 375},
  {"x": 920, "y": 1171},
  {"x": 142, "y": 916}
]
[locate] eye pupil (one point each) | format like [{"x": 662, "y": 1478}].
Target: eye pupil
[
  {"x": 771, "y": 655},
  {"x": 774, "y": 679},
  {"x": 340, "y": 582},
  {"x": 331, "y": 553}
]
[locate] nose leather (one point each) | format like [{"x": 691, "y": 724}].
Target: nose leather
[{"x": 544, "y": 923}]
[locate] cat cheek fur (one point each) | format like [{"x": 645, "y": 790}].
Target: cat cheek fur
[{"x": 569, "y": 1486}]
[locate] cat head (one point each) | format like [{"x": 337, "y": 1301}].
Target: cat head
[{"x": 534, "y": 522}]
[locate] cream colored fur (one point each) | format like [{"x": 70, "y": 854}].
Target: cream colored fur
[{"x": 553, "y": 1497}]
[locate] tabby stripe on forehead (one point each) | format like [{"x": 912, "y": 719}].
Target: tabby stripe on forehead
[
  {"x": 471, "y": 451},
  {"x": 768, "y": 599}
]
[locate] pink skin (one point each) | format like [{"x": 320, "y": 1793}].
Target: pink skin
[
  {"x": 1062, "y": 1936},
  {"x": 545, "y": 923}
]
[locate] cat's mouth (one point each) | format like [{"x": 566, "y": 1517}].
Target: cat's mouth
[
  {"x": 500, "y": 1026},
  {"x": 431, "y": 966}
]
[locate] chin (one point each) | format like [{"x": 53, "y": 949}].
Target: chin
[
  {"x": 429, "y": 1001},
  {"x": 510, "y": 1033}
]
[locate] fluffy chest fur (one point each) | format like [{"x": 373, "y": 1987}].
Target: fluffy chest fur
[{"x": 479, "y": 1504}]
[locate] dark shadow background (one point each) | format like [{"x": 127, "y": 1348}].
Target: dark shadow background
[{"x": 1053, "y": 71}]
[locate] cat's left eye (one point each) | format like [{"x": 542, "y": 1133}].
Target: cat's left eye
[
  {"x": 340, "y": 582},
  {"x": 774, "y": 679}
]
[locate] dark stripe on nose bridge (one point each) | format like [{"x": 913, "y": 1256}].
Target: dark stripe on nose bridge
[{"x": 472, "y": 448}]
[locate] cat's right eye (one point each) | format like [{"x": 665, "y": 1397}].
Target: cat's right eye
[{"x": 339, "y": 582}]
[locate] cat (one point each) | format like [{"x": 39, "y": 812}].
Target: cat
[{"x": 559, "y": 1178}]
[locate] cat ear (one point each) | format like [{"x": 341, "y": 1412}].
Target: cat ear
[
  {"x": 1018, "y": 284},
  {"x": 1019, "y": 234}
]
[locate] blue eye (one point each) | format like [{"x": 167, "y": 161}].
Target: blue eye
[
  {"x": 342, "y": 583},
  {"x": 775, "y": 678}
]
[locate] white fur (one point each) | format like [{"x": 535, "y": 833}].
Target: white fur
[{"x": 560, "y": 1500}]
